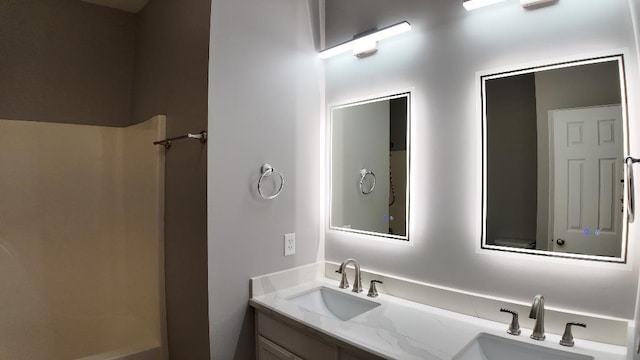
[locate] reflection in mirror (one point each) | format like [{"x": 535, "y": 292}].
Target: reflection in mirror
[
  {"x": 554, "y": 140},
  {"x": 369, "y": 167}
]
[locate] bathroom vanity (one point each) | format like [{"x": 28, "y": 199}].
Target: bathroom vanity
[
  {"x": 279, "y": 337},
  {"x": 303, "y": 314}
]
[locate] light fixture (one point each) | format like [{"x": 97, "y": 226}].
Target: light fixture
[
  {"x": 476, "y": 4},
  {"x": 528, "y": 3},
  {"x": 366, "y": 43}
]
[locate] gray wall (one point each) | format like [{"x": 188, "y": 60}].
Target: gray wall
[
  {"x": 66, "y": 61},
  {"x": 171, "y": 78},
  {"x": 264, "y": 106},
  {"x": 511, "y": 153},
  {"x": 398, "y": 124},
  {"x": 440, "y": 58}
]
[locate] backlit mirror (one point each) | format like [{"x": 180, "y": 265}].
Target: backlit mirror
[
  {"x": 370, "y": 167},
  {"x": 554, "y": 139}
]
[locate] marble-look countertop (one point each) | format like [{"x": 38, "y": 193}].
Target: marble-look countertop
[{"x": 402, "y": 329}]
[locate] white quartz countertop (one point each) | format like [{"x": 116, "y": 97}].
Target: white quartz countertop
[{"x": 402, "y": 329}]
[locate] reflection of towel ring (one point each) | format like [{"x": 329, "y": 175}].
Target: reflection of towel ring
[
  {"x": 266, "y": 171},
  {"x": 629, "y": 161},
  {"x": 363, "y": 174}
]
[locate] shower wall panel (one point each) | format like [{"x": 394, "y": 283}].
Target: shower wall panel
[{"x": 80, "y": 238}]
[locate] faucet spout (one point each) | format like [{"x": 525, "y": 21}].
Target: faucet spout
[
  {"x": 357, "y": 282},
  {"x": 537, "y": 313}
]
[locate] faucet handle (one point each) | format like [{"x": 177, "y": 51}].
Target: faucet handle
[
  {"x": 344, "y": 283},
  {"x": 567, "y": 337},
  {"x": 514, "y": 327},
  {"x": 373, "y": 292}
]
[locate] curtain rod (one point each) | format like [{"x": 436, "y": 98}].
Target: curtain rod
[{"x": 202, "y": 136}]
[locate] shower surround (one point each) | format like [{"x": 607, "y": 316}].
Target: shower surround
[{"x": 81, "y": 241}]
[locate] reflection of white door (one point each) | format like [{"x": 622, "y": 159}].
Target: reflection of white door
[{"x": 587, "y": 165}]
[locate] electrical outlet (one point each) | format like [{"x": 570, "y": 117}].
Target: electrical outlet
[{"x": 289, "y": 244}]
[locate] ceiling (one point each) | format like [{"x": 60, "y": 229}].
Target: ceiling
[{"x": 132, "y": 6}]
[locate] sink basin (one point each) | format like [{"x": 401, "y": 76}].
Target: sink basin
[
  {"x": 491, "y": 347},
  {"x": 332, "y": 303}
]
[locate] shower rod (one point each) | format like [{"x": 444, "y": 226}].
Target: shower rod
[{"x": 202, "y": 136}]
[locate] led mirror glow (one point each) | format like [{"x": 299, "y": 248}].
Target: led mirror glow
[
  {"x": 476, "y": 4},
  {"x": 356, "y": 44},
  {"x": 554, "y": 139}
]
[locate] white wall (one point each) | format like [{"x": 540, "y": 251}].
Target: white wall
[
  {"x": 440, "y": 58},
  {"x": 264, "y": 106},
  {"x": 634, "y": 6}
]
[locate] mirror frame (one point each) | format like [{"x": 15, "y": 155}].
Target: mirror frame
[
  {"x": 482, "y": 77},
  {"x": 330, "y": 141}
]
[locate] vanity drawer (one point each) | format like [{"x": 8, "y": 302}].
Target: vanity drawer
[
  {"x": 293, "y": 340},
  {"x": 270, "y": 351}
]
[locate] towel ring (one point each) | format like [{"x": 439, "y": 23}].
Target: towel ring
[
  {"x": 266, "y": 171},
  {"x": 363, "y": 174},
  {"x": 631, "y": 208}
]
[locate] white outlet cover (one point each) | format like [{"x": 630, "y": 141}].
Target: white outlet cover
[{"x": 289, "y": 244}]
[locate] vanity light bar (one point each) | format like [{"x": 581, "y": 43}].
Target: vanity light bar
[
  {"x": 366, "y": 43},
  {"x": 476, "y": 4},
  {"x": 527, "y": 3}
]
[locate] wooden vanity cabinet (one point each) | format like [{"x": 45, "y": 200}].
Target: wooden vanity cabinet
[
  {"x": 281, "y": 338},
  {"x": 270, "y": 351}
]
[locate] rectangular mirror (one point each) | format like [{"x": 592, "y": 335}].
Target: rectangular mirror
[
  {"x": 370, "y": 167},
  {"x": 554, "y": 139}
]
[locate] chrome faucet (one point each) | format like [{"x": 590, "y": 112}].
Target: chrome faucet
[
  {"x": 537, "y": 312},
  {"x": 357, "y": 283},
  {"x": 514, "y": 327},
  {"x": 567, "y": 337}
]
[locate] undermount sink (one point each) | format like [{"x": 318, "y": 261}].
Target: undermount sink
[
  {"x": 491, "y": 347},
  {"x": 332, "y": 303}
]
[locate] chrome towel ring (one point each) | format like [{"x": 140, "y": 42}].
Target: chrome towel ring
[
  {"x": 629, "y": 161},
  {"x": 363, "y": 174},
  {"x": 267, "y": 170}
]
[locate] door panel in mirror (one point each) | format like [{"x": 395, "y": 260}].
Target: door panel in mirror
[
  {"x": 554, "y": 139},
  {"x": 370, "y": 167}
]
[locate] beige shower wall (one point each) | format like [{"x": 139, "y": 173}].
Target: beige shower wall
[
  {"x": 144, "y": 220},
  {"x": 80, "y": 238}
]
